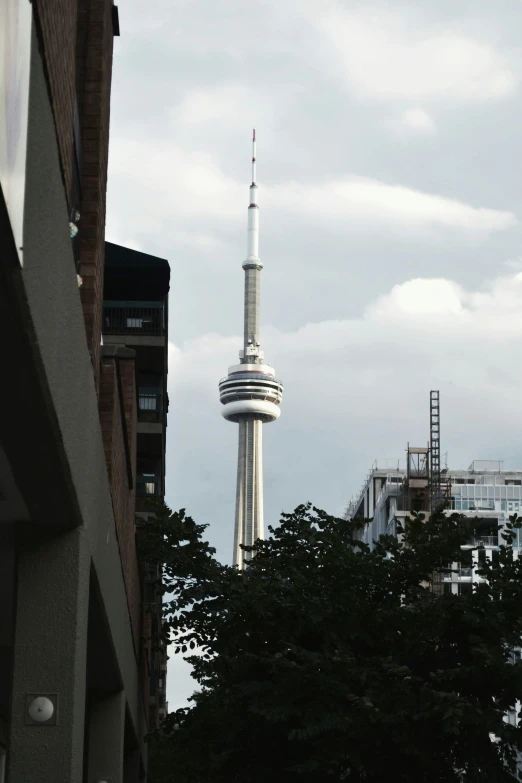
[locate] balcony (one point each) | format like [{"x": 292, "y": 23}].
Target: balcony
[
  {"x": 485, "y": 541},
  {"x": 135, "y": 318},
  {"x": 150, "y": 405},
  {"x": 148, "y": 484}
]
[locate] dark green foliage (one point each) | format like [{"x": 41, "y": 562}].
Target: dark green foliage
[{"x": 324, "y": 661}]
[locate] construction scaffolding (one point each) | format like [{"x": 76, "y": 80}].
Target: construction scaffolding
[
  {"x": 417, "y": 483},
  {"x": 440, "y": 486}
]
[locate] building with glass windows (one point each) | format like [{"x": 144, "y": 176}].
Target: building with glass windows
[{"x": 485, "y": 491}]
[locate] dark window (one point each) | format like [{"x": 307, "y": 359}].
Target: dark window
[
  {"x": 465, "y": 558},
  {"x": 447, "y": 588},
  {"x": 465, "y": 588}
]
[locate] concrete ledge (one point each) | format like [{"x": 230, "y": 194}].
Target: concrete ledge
[
  {"x": 135, "y": 339},
  {"x": 150, "y": 428},
  {"x": 117, "y": 351}
]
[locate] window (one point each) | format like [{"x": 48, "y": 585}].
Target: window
[
  {"x": 514, "y": 482},
  {"x": 465, "y": 588},
  {"x": 148, "y": 400},
  {"x": 465, "y": 558},
  {"x": 447, "y": 588},
  {"x": 481, "y": 557}
]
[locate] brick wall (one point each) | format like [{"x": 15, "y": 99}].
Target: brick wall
[
  {"x": 76, "y": 40},
  {"x": 56, "y": 27},
  {"x": 146, "y": 662},
  {"x": 119, "y": 440},
  {"x": 93, "y": 79}
]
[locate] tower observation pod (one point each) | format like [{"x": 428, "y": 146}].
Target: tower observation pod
[{"x": 250, "y": 395}]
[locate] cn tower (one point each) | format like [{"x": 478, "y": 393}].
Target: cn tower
[{"x": 250, "y": 395}]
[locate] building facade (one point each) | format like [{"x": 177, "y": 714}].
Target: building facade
[
  {"x": 135, "y": 319},
  {"x": 485, "y": 492},
  {"x": 76, "y": 682}
]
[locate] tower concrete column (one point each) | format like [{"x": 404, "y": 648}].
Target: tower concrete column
[
  {"x": 251, "y": 306},
  {"x": 50, "y": 655},
  {"x": 249, "y": 494},
  {"x": 106, "y": 736}
]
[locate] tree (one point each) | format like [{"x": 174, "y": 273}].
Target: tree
[{"x": 326, "y": 661}]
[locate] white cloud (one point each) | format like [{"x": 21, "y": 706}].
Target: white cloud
[
  {"x": 418, "y": 299},
  {"x": 364, "y": 199},
  {"x": 515, "y": 264},
  {"x": 226, "y": 104},
  {"x": 384, "y": 57},
  {"x": 417, "y": 121},
  {"x": 192, "y": 184}
]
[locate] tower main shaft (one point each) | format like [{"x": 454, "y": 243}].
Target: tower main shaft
[{"x": 251, "y": 395}]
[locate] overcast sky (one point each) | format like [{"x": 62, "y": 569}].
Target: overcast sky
[{"x": 389, "y": 139}]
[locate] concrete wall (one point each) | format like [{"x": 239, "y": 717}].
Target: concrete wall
[{"x": 46, "y": 291}]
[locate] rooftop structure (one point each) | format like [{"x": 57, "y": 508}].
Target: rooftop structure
[
  {"x": 485, "y": 492},
  {"x": 251, "y": 395}
]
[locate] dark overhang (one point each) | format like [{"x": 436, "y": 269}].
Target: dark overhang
[{"x": 134, "y": 276}]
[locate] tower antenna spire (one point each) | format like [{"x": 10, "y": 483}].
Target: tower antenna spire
[{"x": 254, "y": 157}]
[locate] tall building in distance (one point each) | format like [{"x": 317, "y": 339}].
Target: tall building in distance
[{"x": 251, "y": 395}]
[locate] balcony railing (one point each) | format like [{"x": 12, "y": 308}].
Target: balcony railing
[
  {"x": 138, "y": 318},
  {"x": 150, "y": 405},
  {"x": 147, "y": 484},
  {"x": 485, "y": 541}
]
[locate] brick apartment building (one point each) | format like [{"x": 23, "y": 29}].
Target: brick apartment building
[{"x": 82, "y": 423}]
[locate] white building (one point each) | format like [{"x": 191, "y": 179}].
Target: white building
[{"x": 485, "y": 492}]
